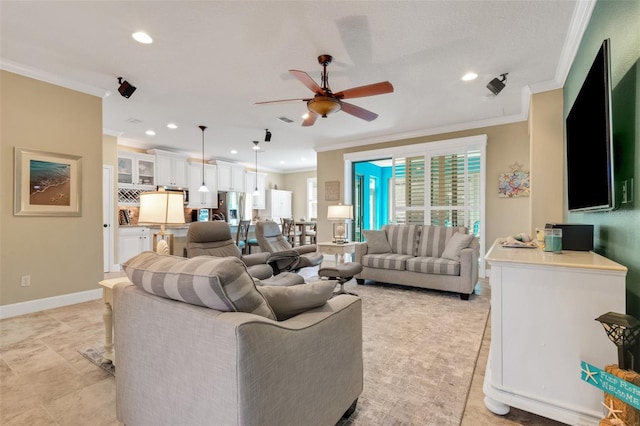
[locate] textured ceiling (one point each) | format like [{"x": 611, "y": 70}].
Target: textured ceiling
[{"x": 211, "y": 61}]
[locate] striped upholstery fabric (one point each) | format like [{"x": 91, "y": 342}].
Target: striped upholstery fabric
[
  {"x": 433, "y": 239},
  {"x": 402, "y": 238},
  {"x": 220, "y": 283},
  {"x": 433, "y": 265},
  {"x": 386, "y": 261}
]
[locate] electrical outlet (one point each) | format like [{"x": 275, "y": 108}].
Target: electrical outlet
[
  {"x": 624, "y": 192},
  {"x": 25, "y": 280}
]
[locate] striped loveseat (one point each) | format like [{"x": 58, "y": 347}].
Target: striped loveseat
[{"x": 435, "y": 257}]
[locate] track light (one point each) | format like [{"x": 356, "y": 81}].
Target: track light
[
  {"x": 267, "y": 136},
  {"x": 495, "y": 85},
  {"x": 125, "y": 88}
]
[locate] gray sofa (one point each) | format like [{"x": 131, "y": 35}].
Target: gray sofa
[
  {"x": 183, "y": 364},
  {"x": 434, "y": 257}
]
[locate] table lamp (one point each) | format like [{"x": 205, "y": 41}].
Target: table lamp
[
  {"x": 161, "y": 208},
  {"x": 340, "y": 214}
]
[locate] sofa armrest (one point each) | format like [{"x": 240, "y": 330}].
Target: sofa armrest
[
  {"x": 178, "y": 361},
  {"x": 469, "y": 267},
  {"x": 255, "y": 258},
  {"x": 308, "y": 248},
  {"x": 360, "y": 250}
]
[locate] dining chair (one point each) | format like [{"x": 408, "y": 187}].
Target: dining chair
[
  {"x": 289, "y": 231},
  {"x": 242, "y": 235}
]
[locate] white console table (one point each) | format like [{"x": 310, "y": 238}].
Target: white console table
[{"x": 543, "y": 310}]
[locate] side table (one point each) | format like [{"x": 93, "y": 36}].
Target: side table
[
  {"x": 337, "y": 249},
  {"x": 107, "y": 299}
]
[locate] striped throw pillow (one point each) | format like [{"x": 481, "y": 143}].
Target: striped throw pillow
[
  {"x": 220, "y": 283},
  {"x": 403, "y": 239},
  {"x": 434, "y": 239}
]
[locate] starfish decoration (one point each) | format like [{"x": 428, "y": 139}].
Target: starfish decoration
[
  {"x": 612, "y": 412},
  {"x": 516, "y": 167},
  {"x": 589, "y": 374}
]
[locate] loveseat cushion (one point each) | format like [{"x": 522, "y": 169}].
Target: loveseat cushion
[
  {"x": 287, "y": 302},
  {"x": 433, "y": 265},
  {"x": 403, "y": 239},
  {"x": 220, "y": 283},
  {"x": 386, "y": 261},
  {"x": 454, "y": 246},
  {"x": 434, "y": 239},
  {"x": 376, "y": 241}
]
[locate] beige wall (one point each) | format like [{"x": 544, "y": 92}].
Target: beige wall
[
  {"x": 297, "y": 183},
  {"x": 61, "y": 254},
  {"x": 506, "y": 144},
  {"x": 546, "y": 127}
]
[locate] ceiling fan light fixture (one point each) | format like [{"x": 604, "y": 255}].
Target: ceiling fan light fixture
[{"x": 324, "y": 105}]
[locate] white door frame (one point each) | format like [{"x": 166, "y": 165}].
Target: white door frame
[{"x": 108, "y": 213}]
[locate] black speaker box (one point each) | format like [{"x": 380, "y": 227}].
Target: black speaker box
[
  {"x": 577, "y": 237},
  {"x": 126, "y": 89}
]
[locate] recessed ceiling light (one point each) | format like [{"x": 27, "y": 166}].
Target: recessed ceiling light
[
  {"x": 303, "y": 159},
  {"x": 172, "y": 126},
  {"x": 142, "y": 37},
  {"x": 282, "y": 161},
  {"x": 233, "y": 151},
  {"x": 469, "y": 76},
  {"x": 305, "y": 116},
  {"x": 150, "y": 132}
]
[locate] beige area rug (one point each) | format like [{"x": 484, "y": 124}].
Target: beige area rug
[
  {"x": 420, "y": 350},
  {"x": 95, "y": 354}
]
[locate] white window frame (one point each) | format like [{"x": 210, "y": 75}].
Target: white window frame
[
  {"x": 448, "y": 146},
  {"x": 310, "y": 197}
]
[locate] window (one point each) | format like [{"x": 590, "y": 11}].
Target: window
[{"x": 312, "y": 198}]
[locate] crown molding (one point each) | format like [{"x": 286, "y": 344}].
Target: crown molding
[
  {"x": 48, "y": 77},
  {"x": 579, "y": 22}
]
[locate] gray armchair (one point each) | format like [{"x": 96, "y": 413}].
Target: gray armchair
[
  {"x": 271, "y": 240},
  {"x": 214, "y": 239},
  {"x": 181, "y": 364}
]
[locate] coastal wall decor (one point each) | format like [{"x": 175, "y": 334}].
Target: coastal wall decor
[
  {"x": 47, "y": 184},
  {"x": 332, "y": 190},
  {"x": 514, "y": 183}
]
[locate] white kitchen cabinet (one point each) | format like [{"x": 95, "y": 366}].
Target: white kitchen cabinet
[
  {"x": 543, "y": 308},
  {"x": 277, "y": 205},
  {"x": 171, "y": 168},
  {"x": 203, "y": 200},
  {"x": 136, "y": 170},
  {"x": 132, "y": 241},
  {"x": 251, "y": 180},
  {"x": 230, "y": 176}
]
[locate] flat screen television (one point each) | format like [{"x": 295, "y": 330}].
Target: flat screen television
[{"x": 590, "y": 183}]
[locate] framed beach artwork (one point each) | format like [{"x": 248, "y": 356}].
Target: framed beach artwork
[{"x": 47, "y": 184}]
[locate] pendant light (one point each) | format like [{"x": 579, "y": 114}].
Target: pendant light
[
  {"x": 256, "y": 148},
  {"x": 203, "y": 188}
]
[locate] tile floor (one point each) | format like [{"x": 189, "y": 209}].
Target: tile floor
[{"x": 45, "y": 381}]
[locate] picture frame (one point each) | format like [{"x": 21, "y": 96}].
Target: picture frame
[
  {"x": 47, "y": 184},
  {"x": 332, "y": 190},
  {"x": 513, "y": 184}
]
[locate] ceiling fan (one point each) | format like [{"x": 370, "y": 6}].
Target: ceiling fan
[{"x": 325, "y": 102}]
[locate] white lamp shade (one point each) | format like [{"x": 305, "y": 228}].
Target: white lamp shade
[
  {"x": 161, "y": 207},
  {"x": 340, "y": 212}
]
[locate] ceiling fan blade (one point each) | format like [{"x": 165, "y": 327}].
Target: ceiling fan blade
[
  {"x": 359, "y": 112},
  {"x": 310, "y": 120},
  {"x": 368, "y": 90},
  {"x": 304, "y": 78},
  {"x": 281, "y": 101}
]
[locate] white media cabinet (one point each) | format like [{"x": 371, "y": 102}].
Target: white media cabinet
[{"x": 543, "y": 310}]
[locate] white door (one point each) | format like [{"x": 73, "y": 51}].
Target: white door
[{"x": 107, "y": 216}]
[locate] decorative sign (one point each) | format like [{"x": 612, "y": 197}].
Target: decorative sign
[
  {"x": 332, "y": 190},
  {"x": 514, "y": 183},
  {"x": 621, "y": 389}
]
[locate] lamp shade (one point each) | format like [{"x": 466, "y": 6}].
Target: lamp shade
[
  {"x": 161, "y": 207},
  {"x": 340, "y": 212}
]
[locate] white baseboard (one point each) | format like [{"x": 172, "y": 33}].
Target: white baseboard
[{"x": 22, "y": 308}]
